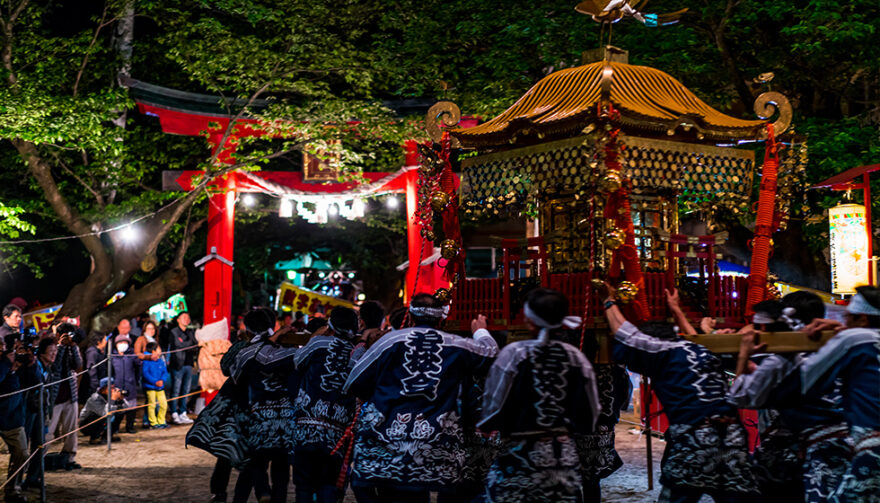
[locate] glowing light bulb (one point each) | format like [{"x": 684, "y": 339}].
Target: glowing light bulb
[
  {"x": 129, "y": 234},
  {"x": 249, "y": 200},
  {"x": 392, "y": 202}
]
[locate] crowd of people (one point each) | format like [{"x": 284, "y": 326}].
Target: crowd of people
[
  {"x": 48, "y": 390},
  {"x": 396, "y": 409}
]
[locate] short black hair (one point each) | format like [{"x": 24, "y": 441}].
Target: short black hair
[
  {"x": 44, "y": 344},
  {"x": 549, "y": 305},
  {"x": 807, "y": 305},
  {"x": 397, "y": 317},
  {"x": 259, "y": 320},
  {"x": 659, "y": 329},
  {"x": 9, "y": 309},
  {"x": 315, "y": 324},
  {"x": 372, "y": 313},
  {"x": 151, "y": 346},
  {"x": 300, "y": 315},
  {"x": 344, "y": 319}
]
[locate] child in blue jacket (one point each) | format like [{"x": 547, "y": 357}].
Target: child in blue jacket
[{"x": 154, "y": 385}]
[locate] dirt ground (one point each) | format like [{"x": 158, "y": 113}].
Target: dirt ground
[{"x": 153, "y": 466}]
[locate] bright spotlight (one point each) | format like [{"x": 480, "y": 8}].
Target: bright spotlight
[
  {"x": 351, "y": 275},
  {"x": 249, "y": 200},
  {"x": 362, "y": 296},
  {"x": 333, "y": 210},
  {"x": 129, "y": 234},
  {"x": 392, "y": 202}
]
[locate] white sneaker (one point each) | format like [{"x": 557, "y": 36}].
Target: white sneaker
[
  {"x": 185, "y": 419},
  {"x": 175, "y": 418}
]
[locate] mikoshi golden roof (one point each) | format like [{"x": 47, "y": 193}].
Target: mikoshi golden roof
[{"x": 647, "y": 99}]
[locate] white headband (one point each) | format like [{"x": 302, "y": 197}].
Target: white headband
[
  {"x": 345, "y": 333},
  {"x": 788, "y": 316},
  {"x": 859, "y": 305},
  {"x": 433, "y": 313},
  {"x": 762, "y": 319},
  {"x": 570, "y": 322}
]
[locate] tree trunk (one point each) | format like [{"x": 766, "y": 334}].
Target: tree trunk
[{"x": 139, "y": 300}]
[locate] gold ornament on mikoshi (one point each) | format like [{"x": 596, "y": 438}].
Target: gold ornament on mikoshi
[
  {"x": 428, "y": 234},
  {"x": 439, "y": 200},
  {"x": 626, "y": 291},
  {"x": 611, "y": 182},
  {"x": 614, "y": 239},
  {"x": 597, "y": 283},
  {"x": 443, "y": 295},
  {"x": 449, "y": 249}
]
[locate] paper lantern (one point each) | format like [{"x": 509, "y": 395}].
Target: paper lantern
[{"x": 849, "y": 248}]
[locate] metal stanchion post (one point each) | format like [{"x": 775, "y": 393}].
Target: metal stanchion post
[
  {"x": 42, "y": 426},
  {"x": 109, "y": 394},
  {"x": 646, "y": 407}
]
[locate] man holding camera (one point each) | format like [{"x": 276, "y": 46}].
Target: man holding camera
[
  {"x": 12, "y": 414},
  {"x": 97, "y": 407},
  {"x": 63, "y": 397},
  {"x": 11, "y": 321}
]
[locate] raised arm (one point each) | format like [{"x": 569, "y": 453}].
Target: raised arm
[{"x": 674, "y": 303}]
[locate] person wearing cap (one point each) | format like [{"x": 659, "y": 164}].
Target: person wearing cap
[
  {"x": 126, "y": 372},
  {"x": 852, "y": 359},
  {"x": 804, "y": 447},
  {"x": 706, "y": 445},
  {"x": 409, "y": 440},
  {"x": 540, "y": 393},
  {"x": 322, "y": 410},
  {"x": 262, "y": 369},
  {"x": 96, "y": 407}
]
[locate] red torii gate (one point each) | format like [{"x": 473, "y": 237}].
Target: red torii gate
[{"x": 193, "y": 114}]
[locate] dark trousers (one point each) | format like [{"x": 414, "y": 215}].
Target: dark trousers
[
  {"x": 259, "y": 474},
  {"x": 220, "y": 481},
  {"x": 99, "y": 429},
  {"x": 390, "y": 495},
  {"x": 690, "y": 495},
  {"x": 16, "y": 443},
  {"x": 315, "y": 473}
]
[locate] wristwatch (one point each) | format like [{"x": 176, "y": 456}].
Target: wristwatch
[{"x": 608, "y": 303}]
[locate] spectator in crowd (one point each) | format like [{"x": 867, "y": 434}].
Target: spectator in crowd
[
  {"x": 126, "y": 371},
  {"x": 123, "y": 328},
  {"x": 286, "y": 320},
  {"x": 299, "y": 321},
  {"x": 410, "y": 382},
  {"x": 372, "y": 314},
  {"x": 154, "y": 385},
  {"x": 181, "y": 365},
  {"x": 95, "y": 353},
  {"x": 12, "y": 412},
  {"x": 96, "y": 407},
  {"x": 149, "y": 333},
  {"x": 11, "y": 320},
  {"x": 316, "y": 326},
  {"x": 37, "y": 413},
  {"x": 322, "y": 409},
  {"x": 63, "y": 395}
]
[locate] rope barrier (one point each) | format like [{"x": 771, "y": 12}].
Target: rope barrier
[
  {"x": 164, "y": 352},
  {"x": 40, "y": 448},
  {"x": 55, "y": 382}
]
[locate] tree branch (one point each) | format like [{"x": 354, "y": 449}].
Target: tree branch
[
  {"x": 98, "y": 198},
  {"x": 85, "y": 61}
]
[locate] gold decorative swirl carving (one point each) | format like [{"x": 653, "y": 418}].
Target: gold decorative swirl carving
[
  {"x": 442, "y": 114},
  {"x": 770, "y": 103}
]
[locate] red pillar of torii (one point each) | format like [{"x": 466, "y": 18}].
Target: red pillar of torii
[{"x": 221, "y": 210}]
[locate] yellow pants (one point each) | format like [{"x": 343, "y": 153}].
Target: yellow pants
[{"x": 154, "y": 397}]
